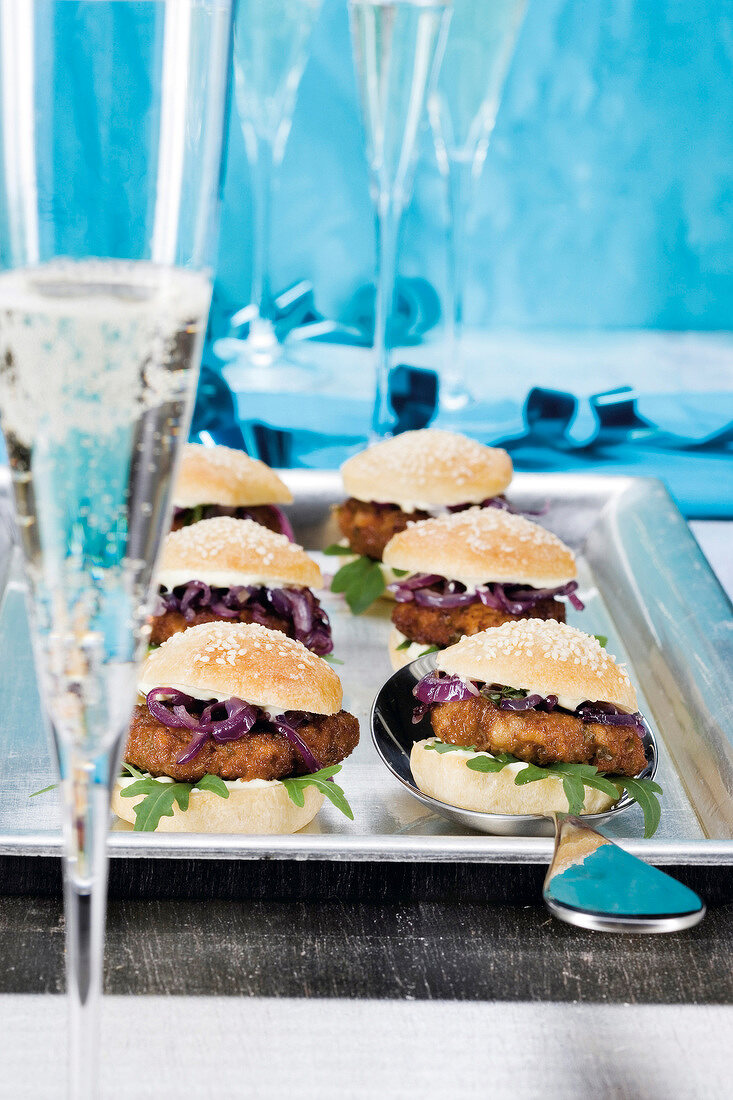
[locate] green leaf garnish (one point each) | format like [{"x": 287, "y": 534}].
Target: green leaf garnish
[
  {"x": 400, "y": 572},
  {"x": 574, "y": 777},
  {"x": 44, "y": 790},
  {"x": 336, "y": 548},
  {"x": 361, "y": 582},
  {"x": 159, "y": 797},
  {"x": 643, "y": 791},
  {"x": 322, "y": 781},
  {"x": 213, "y": 783},
  {"x": 331, "y": 659},
  {"x": 601, "y": 639},
  {"x": 430, "y": 649},
  {"x": 405, "y": 645},
  {"x": 497, "y": 692}
]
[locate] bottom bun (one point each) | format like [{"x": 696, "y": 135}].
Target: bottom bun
[
  {"x": 252, "y": 807},
  {"x": 445, "y": 776},
  {"x": 401, "y": 657}
]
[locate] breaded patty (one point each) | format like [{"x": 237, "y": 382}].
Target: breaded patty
[
  {"x": 260, "y": 513},
  {"x": 260, "y": 754},
  {"x": 539, "y": 737},
  {"x": 369, "y": 527},
  {"x": 445, "y": 626},
  {"x": 164, "y": 626}
]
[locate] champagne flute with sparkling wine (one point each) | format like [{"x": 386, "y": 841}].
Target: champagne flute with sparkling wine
[
  {"x": 271, "y": 40},
  {"x": 110, "y": 152},
  {"x": 397, "y": 45},
  {"x": 463, "y": 110}
]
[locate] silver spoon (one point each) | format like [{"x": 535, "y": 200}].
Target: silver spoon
[{"x": 607, "y": 889}]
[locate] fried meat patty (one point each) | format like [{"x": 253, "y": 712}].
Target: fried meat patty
[
  {"x": 445, "y": 626},
  {"x": 538, "y": 737},
  {"x": 260, "y": 513},
  {"x": 169, "y": 623},
  {"x": 368, "y": 527},
  {"x": 260, "y": 754}
]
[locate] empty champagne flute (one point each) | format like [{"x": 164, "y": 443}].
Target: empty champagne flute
[
  {"x": 110, "y": 152},
  {"x": 397, "y": 45},
  {"x": 463, "y": 110},
  {"x": 271, "y": 48}
]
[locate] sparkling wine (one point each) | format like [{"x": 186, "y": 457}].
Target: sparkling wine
[{"x": 98, "y": 363}]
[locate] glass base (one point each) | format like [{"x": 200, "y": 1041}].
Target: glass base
[{"x": 262, "y": 364}]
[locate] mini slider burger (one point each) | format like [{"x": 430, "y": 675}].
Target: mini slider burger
[
  {"x": 466, "y": 572},
  {"x": 413, "y": 476},
  {"x": 511, "y": 704},
  {"x": 237, "y": 571},
  {"x": 238, "y": 729},
  {"x": 219, "y": 481}
]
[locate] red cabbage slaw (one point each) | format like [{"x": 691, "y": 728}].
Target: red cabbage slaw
[
  {"x": 438, "y": 687},
  {"x": 176, "y": 710},
  {"x": 431, "y": 590},
  {"x": 208, "y": 511},
  {"x": 297, "y": 606}
]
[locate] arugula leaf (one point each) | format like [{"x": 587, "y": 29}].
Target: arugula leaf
[
  {"x": 430, "y": 649},
  {"x": 213, "y": 783},
  {"x": 159, "y": 797},
  {"x": 331, "y": 659},
  {"x": 497, "y": 692},
  {"x": 643, "y": 791},
  {"x": 361, "y": 582},
  {"x": 336, "y": 548},
  {"x": 400, "y": 572},
  {"x": 601, "y": 639},
  {"x": 490, "y": 763},
  {"x": 323, "y": 782},
  {"x": 441, "y": 747},
  {"x": 574, "y": 777},
  {"x": 405, "y": 645},
  {"x": 44, "y": 790}
]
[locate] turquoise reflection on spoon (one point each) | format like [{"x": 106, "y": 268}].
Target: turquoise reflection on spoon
[{"x": 594, "y": 883}]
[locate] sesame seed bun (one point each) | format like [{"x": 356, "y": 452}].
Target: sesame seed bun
[
  {"x": 481, "y": 545},
  {"x": 254, "y": 807},
  {"x": 247, "y": 661},
  {"x": 224, "y": 551},
  {"x": 445, "y": 776},
  {"x": 427, "y": 467},
  {"x": 543, "y": 657},
  {"x": 221, "y": 475}
]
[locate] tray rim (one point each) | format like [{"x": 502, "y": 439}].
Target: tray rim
[{"x": 439, "y": 848}]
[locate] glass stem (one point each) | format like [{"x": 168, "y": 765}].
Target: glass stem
[
  {"x": 262, "y": 167},
  {"x": 460, "y": 192},
  {"x": 388, "y": 227},
  {"x": 86, "y": 822}
]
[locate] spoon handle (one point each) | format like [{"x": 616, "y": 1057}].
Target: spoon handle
[{"x": 593, "y": 883}]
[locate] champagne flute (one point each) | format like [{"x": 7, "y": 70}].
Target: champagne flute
[
  {"x": 111, "y": 128},
  {"x": 463, "y": 110},
  {"x": 397, "y": 45},
  {"x": 271, "y": 48}
]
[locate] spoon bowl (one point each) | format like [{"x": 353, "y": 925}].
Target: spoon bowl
[{"x": 394, "y": 734}]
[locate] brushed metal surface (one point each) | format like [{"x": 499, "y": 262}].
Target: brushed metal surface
[{"x": 638, "y": 603}]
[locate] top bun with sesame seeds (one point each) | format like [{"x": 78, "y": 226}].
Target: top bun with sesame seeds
[
  {"x": 224, "y": 551},
  {"x": 222, "y": 475},
  {"x": 427, "y": 468},
  {"x": 246, "y": 661},
  {"x": 481, "y": 545},
  {"x": 542, "y": 657}
]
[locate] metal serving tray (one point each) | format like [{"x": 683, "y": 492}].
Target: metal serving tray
[{"x": 646, "y": 585}]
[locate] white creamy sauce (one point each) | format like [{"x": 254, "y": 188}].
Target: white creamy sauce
[
  {"x": 413, "y": 650},
  {"x": 220, "y": 578},
  {"x": 468, "y": 754},
  {"x": 231, "y": 784}
]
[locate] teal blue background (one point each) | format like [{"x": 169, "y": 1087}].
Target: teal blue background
[{"x": 607, "y": 196}]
